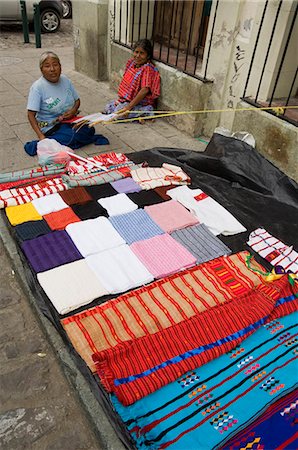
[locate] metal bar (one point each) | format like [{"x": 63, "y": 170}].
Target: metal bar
[
  {"x": 163, "y": 20},
  {"x": 25, "y": 22},
  {"x": 126, "y": 34},
  {"x": 153, "y": 30},
  {"x": 147, "y": 20},
  {"x": 133, "y": 20},
  {"x": 283, "y": 56},
  {"x": 198, "y": 77},
  {"x": 140, "y": 19},
  {"x": 201, "y": 30},
  {"x": 170, "y": 32},
  {"x": 114, "y": 20},
  {"x": 268, "y": 49},
  {"x": 180, "y": 31},
  {"x": 37, "y": 30},
  {"x": 120, "y": 20},
  {"x": 290, "y": 93},
  {"x": 270, "y": 111},
  {"x": 255, "y": 48},
  {"x": 190, "y": 32},
  {"x": 211, "y": 36}
]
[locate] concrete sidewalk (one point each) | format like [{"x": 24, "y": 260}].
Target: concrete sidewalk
[{"x": 39, "y": 409}]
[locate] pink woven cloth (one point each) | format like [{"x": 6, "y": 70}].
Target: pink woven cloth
[
  {"x": 162, "y": 255},
  {"x": 171, "y": 216}
]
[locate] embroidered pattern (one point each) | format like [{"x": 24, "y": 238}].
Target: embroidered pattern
[
  {"x": 245, "y": 361},
  {"x": 197, "y": 391},
  {"x": 274, "y": 326},
  {"x": 222, "y": 422},
  {"x": 235, "y": 352},
  {"x": 188, "y": 379},
  {"x": 269, "y": 383}
]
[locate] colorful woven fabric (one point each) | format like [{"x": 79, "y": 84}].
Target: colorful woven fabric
[
  {"x": 201, "y": 243},
  {"x": 103, "y": 190},
  {"x": 89, "y": 210},
  {"x": 51, "y": 250},
  {"x": 126, "y": 186},
  {"x": 204, "y": 407},
  {"x": 152, "y": 177},
  {"x": 94, "y": 236},
  {"x": 162, "y": 192},
  {"x": 138, "y": 367},
  {"x": 48, "y": 204},
  {"x": 162, "y": 304},
  {"x": 162, "y": 255},
  {"x": 171, "y": 216},
  {"x": 75, "y": 196},
  {"x": 70, "y": 286},
  {"x": 135, "y": 226},
  {"x": 60, "y": 219},
  {"x": 273, "y": 250},
  {"x": 119, "y": 270},
  {"x": 26, "y": 182},
  {"x": 117, "y": 204},
  {"x": 32, "y": 174},
  {"x": 32, "y": 229},
  {"x": 22, "y": 213},
  {"x": 207, "y": 210},
  {"x": 109, "y": 160},
  {"x": 145, "y": 198}
]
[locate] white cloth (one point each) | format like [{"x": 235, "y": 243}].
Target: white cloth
[
  {"x": 119, "y": 269},
  {"x": 152, "y": 177},
  {"x": 208, "y": 211},
  {"x": 49, "y": 203},
  {"x": 117, "y": 204},
  {"x": 71, "y": 286},
  {"x": 94, "y": 235}
]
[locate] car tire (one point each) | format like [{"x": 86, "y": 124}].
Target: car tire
[
  {"x": 67, "y": 9},
  {"x": 49, "y": 21}
]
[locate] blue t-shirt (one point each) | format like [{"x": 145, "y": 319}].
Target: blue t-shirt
[{"x": 50, "y": 100}]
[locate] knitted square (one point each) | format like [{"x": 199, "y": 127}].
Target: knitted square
[
  {"x": 32, "y": 229},
  {"x": 171, "y": 216},
  {"x": 49, "y": 203},
  {"x": 60, "y": 219},
  {"x": 75, "y": 196},
  {"x": 89, "y": 210},
  {"x": 145, "y": 198},
  {"x": 117, "y": 204},
  {"x": 22, "y": 213},
  {"x": 126, "y": 186},
  {"x": 100, "y": 191}
]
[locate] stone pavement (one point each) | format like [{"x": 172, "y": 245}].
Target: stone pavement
[{"x": 42, "y": 406}]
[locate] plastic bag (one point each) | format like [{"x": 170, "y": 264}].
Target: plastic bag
[
  {"x": 241, "y": 135},
  {"x": 49, "y": 151}
]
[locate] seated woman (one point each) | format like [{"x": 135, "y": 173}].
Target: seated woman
[
  {"x": 140, "y": 86},
  {"x": 53, "y": 100}
]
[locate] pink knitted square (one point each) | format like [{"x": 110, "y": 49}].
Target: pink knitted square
[
  {"x": 162, "y": 255},
  {"x": 171, "y": 215}
]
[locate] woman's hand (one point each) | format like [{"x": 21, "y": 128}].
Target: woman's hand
[{"x": 71, "y": 112}]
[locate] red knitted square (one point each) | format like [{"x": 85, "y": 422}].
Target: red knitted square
[{"x": 60, "y": 219}]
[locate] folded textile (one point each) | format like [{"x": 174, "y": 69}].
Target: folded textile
[
  {"x": 103, "y": 190},
  {"x": 207, "y": 210},
  {"x": 162, "y": 191},
  {"x": 117, "y": 204},
  {"x": 75, "y": 196},
  {"x": 171, "y": 216},
  {"x": 145, "y": 198},
  {"x": 94, "y": 235},
  {"x": 126, "y": 186},
  {"x": 273, "y": 250},
  {"x": 70, "y": 286},
  {"x": 206, "y": 406},
  {"x": 89, "y": 210},
  {"x": 135, "y": 226},
  {"x": 51, "y": 250},
  {"x": 34, "y": 173},
  {"x": 201, "y": 243},
  {"x": 108, "y": 160},
  {"x": 32, "y": 229},
  {"x": 152, "y": 177},
  {"x": 163, "y": 303},
  {"x": 49, "y": 203},
  {"x": 162, "y": 255},
  {"x": 22, "y": 213},
  {"x": 138, "y": 367},
  {"x": 60, "y": 219},
  {"x": 118, "y": 269}
]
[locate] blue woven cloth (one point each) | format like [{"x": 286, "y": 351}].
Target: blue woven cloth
[
  {"x": 203, "y": 408},
  {"x": 135, "y": 226}
]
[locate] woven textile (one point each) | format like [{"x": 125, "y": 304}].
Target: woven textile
[
  {"x": 207, "y": 210},
  {"x": 135, "y": 226},
  {"x": 273, "y": 250},
  {"x": 22, "y": 213},
  {"x": 33, "y": 174},
  {"x": 109, "y": 160},
  {"x": 163, "y": 192},
  {"x": 119, "y": 270},
  {"x": 204, "y": 407},
  {"x": 70, "y": 286},
  {"x": 201, "y": 243},
  {"x": 117, "y": 204},
  {"x": 103, "y": 190},
  {"x": 162, "y": 304},
  {"x": 75, "y": 196},
  {"x": 60, "y": 219},
  {"x": 171, "y": 216},
  {"x": 152, "y": 177},
  {"x": 126, "y": 186},
  {"x": 51, "y": 250},
  {"x": 145, "y": 198},
  {"x": 48, "y": 204},
  {"x": 32, "y": 229},
  {"x": 94, "y": 235},
  {"x": 89, "y": 210},
  {"x": 162, "y": 255}
]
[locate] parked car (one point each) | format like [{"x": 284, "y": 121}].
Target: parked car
[
  {"x": 67, "y": 9},
  {"x": 51, "y": 11}
]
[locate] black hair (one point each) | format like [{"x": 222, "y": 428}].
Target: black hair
[{"x": 146, "y": 45}]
